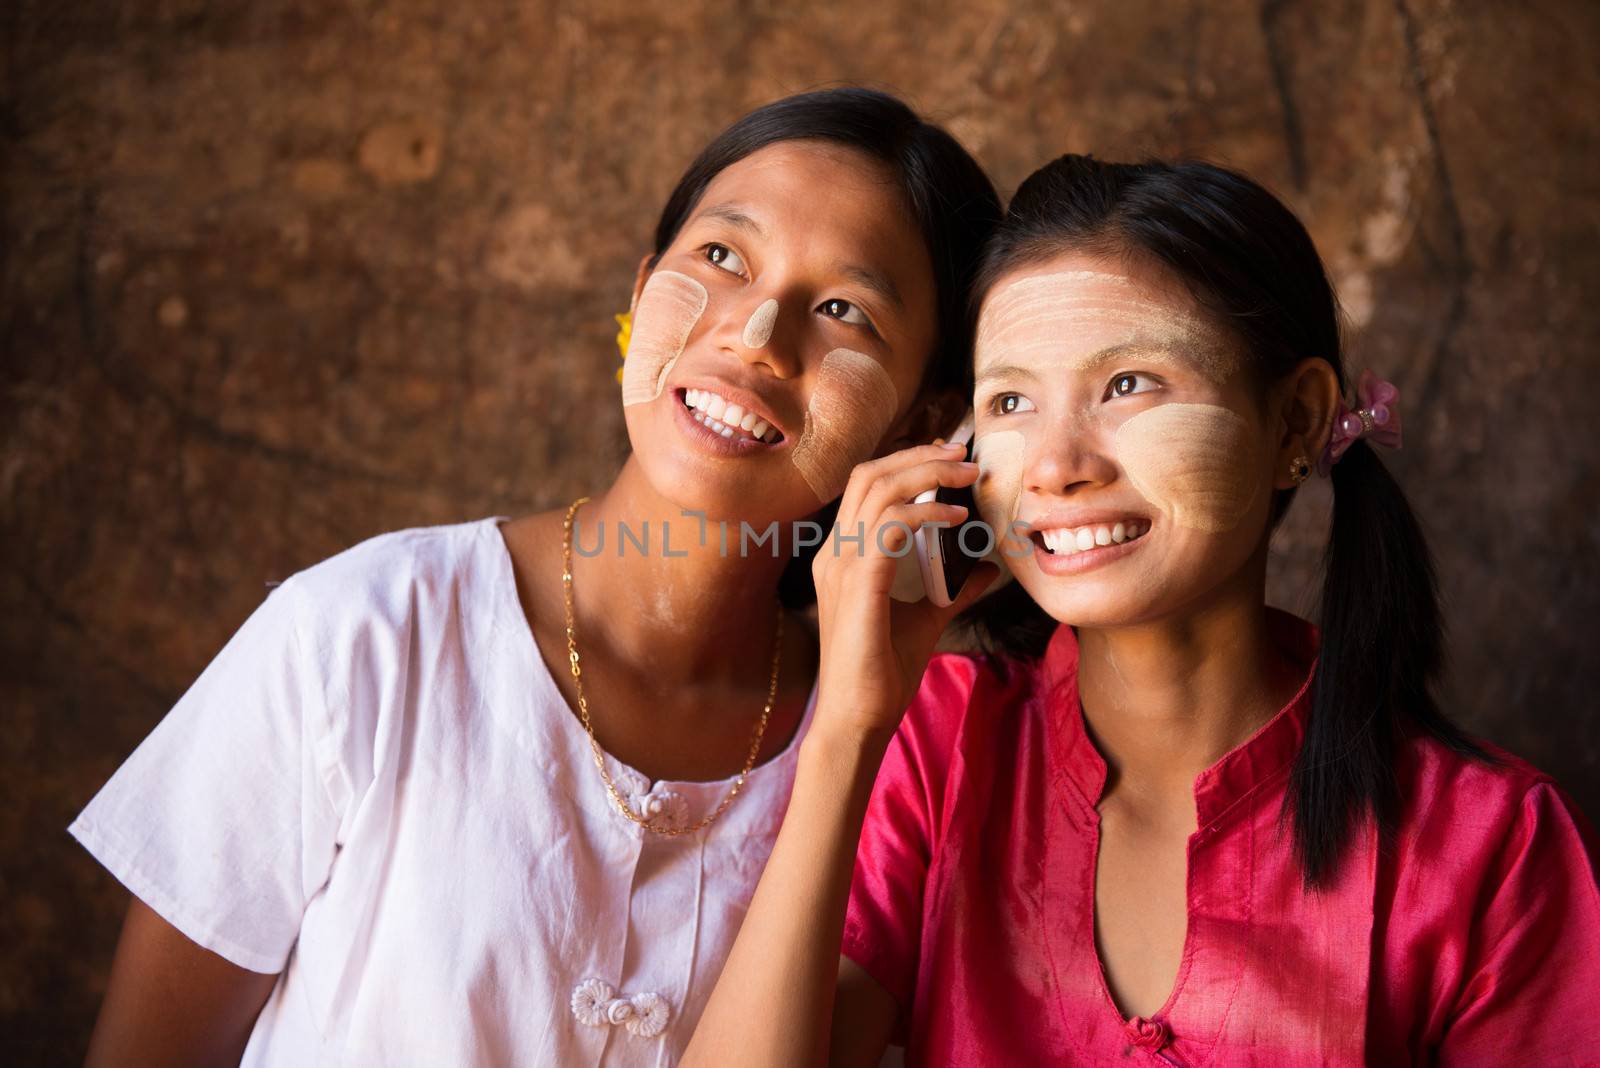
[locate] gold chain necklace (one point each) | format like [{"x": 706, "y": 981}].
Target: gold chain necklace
[{"x": 583, "y": 705}]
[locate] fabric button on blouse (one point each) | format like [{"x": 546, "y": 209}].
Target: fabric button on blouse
[{"x": 596, "y": 1004}]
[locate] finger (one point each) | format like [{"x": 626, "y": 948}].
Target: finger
[
  {"x": 866, "y": 475},
  {"x": 896, "y": 525},
  {"x": 906, "y": 484}
]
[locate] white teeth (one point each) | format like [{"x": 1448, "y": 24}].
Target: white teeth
[
  {"x": 1069, "y": 542},
  {"x": 717, "y": 413}
]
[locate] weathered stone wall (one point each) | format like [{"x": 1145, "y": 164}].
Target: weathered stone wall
[{"x": 279, "y": 276}]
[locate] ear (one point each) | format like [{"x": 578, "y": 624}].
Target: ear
[
  {"x": 1307, "y": 399},
  {"x": 934, "y": 413},
  {"x": 646, "y": 266}
]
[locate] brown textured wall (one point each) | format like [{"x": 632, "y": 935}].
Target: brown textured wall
[{"x": 279, "y": 276}]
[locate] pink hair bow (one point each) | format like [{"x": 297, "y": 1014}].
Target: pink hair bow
[{"x": 1376, "y": 418}]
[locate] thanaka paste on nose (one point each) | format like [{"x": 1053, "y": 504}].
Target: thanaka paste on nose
[
  {"x": 758, "y": 331},
  {"x": 669, "y": 307},
  {"x": 852, "y": 406}
]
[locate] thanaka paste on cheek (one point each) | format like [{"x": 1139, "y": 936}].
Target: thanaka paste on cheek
[
  {"x": 758, "y": 331},
  {"x": 1191, "y": 461},
  {"x": 669, "y": 307},
  {"x": 850, "y": 409},
  {"x": 999, "y": 486},
  {"x": 1033, "y": 321}
]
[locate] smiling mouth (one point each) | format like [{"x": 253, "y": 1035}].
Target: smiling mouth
[
  {"x": 1065, "y": 542},
  {"x": 721, "y": 416}
]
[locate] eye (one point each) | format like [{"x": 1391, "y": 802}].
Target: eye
[
  {"x": 1010, "y": 404},
  {"x": 1127, "y": 385},
  {"x": 725, "y": 258},
  {"x": 845, "y": 312}
]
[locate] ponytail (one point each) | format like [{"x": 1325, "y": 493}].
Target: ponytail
[{"x": 1382, "y": 648}]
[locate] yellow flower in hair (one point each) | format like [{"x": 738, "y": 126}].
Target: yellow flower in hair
[{"x": 624, "y": 335}]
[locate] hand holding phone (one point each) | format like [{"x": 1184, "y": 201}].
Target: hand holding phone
[{"x": 944, "y": 564}]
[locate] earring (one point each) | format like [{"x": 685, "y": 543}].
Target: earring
[{"x": 1300, "y": 469}]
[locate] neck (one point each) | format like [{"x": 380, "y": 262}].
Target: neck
[
  {"x": 1166, "y": 700},
  {"x": 697, "y": 615}
]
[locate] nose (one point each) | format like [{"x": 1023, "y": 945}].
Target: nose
[
  {"x": 1071, "y": 455},
  {"x": 762, "y": 339}
]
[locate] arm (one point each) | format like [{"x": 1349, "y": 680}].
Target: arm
[
  {"x": 1528, "y": 995},
  {"x": 172, "y": 1002},
  {"x": 785, "y": 998}
]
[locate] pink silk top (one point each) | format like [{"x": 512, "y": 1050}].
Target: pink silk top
[{"x": 1474, "y": 940}]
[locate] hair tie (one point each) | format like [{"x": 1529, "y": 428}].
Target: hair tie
[{"x": 1376, "y": 418}]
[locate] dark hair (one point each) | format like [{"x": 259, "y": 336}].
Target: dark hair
[
  {"x": 947, "y": 195},
  {"x": 1250, "y": 262}
]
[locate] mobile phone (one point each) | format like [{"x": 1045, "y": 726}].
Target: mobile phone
[{"x": 944, "y": 564}]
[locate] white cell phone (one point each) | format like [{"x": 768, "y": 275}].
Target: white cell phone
[{"x": 943, "y": 562}]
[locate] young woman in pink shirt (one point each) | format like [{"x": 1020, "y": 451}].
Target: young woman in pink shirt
[{"x": 1161, "y": 822}]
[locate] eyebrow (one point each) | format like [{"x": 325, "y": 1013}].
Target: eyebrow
[
  {"x": 1004, "y": 371},
  {"x": 877, "y": 282},
  {"x": 1134, "y": 349},
  {"x": 734, "y": 215}
]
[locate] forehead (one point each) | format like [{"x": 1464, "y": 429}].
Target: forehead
[
  {"x": 826, "y": 199},
  {"x": 1072, "y": 310}
]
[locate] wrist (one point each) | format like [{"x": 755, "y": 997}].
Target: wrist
[{"x": 850, "y": 750}]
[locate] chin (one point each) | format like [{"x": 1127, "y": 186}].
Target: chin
[{"x": 1095, "y": 608}]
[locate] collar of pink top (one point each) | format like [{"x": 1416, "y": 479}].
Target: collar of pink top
[{"x": 1264, "y": 755}]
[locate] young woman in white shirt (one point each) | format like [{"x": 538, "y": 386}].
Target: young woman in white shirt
[{"x": 499, "y": 792}]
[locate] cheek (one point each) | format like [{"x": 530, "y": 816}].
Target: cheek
[
  {"x": 669, "y": 307},
  {"x": 852, "y": 406},
  {"x": 999, "y": 485},
  {"x": 1195, "y": 462}
]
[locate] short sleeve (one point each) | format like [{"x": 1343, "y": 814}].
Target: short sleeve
[
  {"x": 219, "y": 820},
  {"x": 900, "y": 834},
  {"x": 1534, "y": 963}
]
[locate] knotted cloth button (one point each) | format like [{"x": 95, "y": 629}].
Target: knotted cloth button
[
  {"x": 595, "y": 1003},
  {"x": 589, "y": 1000},
  {"x": 665, "y": 809},
  {"x": 650, "y": 1014},
  {"x": 1148, "y": 1034}
]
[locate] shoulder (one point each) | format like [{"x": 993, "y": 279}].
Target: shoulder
[
  {"x": 960, "y": 696},
  {"x": 1485, "y": 812},
  {"x": 395, "y": 574},
  {"x": 1433, "y": 774},
  {"x": 362, "y": 615}
]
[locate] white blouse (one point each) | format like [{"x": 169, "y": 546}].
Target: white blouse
[{"x": 377, "y": 790}]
